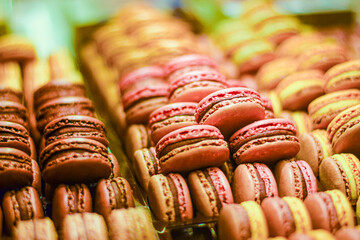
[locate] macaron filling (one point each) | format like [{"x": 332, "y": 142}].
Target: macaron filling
[
  {"x": 22, "y": 205},
  {"x": 343, "y": 208},
  {"x": 175, "y": 197},
  {"x": 259, "y": 184},
  {"x": 344, "y": 162}
]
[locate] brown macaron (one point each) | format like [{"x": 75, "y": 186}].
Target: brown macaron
[
  {"x": 14, "y": 112},
  {"x": 22, "y": 204},
  {"x": 63, "y": 106},
  {"x": 113, "y": 194},
  {"x": 74, "y": 160},
  {"x": 69, "y": 199}
]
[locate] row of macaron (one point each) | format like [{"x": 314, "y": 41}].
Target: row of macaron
[{"x": 90, "y": 225}]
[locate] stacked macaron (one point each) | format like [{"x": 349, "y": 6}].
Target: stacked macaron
[{"x": 198, "y": 142}]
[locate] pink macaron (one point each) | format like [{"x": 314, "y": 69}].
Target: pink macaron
[
  {"x": 187, "y": 63},
  {"x": 266, "y": 141},
  {"x": 195, "y": 85},
  {"x": 140, "y": 103},
  {"x": 171, "y": 117},
  {"x": 141, "y": 77},
  {"x": 295, "y": 178},
  {"x": 230, "y": 109},
  {"x": 190, "y": 148},
  {"x": 253, "y": 182},
  {"x": 210, "y": 191}
]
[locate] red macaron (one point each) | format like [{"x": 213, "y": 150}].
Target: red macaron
[
  {"x": 267, "y": 141},
  {"x": 230, "y": 109}
]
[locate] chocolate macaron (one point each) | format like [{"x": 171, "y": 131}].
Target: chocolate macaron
[
  {"x": 74, "y": 160},
  {"x": 112, "y": 194},
  {"x": 69, "y": 199}
]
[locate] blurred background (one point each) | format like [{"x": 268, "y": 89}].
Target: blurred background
[{"x": 54, "y": 24}]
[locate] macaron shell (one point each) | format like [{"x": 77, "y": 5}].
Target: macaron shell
[
  {"x": 259, "y": 229},
  {"x": 288, "y": 178},
  {"x": 184, "y": 198},
  {"x": 245, "y": 186},
  {"x": 160, "y": 199},
  {"x": 333, "y": 177},
  {"x": 278, "y": 216},
  {"x": 309, "y": 177},
  {"x": 234, "y": 223},
  {"x": 144, "y": 166},
  {"x": 35, "y": 229},
  {"x": 136, "y": 138},
  {"x": 221, "y": 185}
]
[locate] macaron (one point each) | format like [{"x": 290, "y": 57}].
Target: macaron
[
  {"x": 300, "y": 119},
  {"x": 12, "y": 95},
  {"x": 73, "y": 126},
  {"x": 210, "y": 191},
  {"x": 36, "y": 183},
  {"x": 242, "y": 221},
  {"x": 17, "y": 169},
  {"x": 35, "y": 229},
  {"x": 83, "y": 226},
  {"x": 253, "y": 182},
  {"x": 314, "y": 147},
  {"x": 188, "y": 63},
  {"x": 265, "y": 141},
  {"x": 169, "y": 198},
  {"x": 324, "y": 108},
  {"x": 318, "y": 234},
  {"x": 171, "y": 117},
  {"x": 250, "y": 56},
  {"x": 58, "y": 88},
  {"x": 138, "y": 224},
  {"x": 136, "y": 137},
  {"x": 115, "y": 166},
  {"x": 63, "y": 106},
  {"x": 278, "y": 29},
  {"x": 344, "y": 131},
  {"x": 138, "y": 78},
  {"x": 88, "y": 158},
  {"x": 22, "y": 204},
  {"x": 343, "y": 76},
  {"x": 298, "y": 89},
  {"x": 228, "y": 169},
  {"x": 230, "y": 109},
  {"x": 285, "y": 216},
  {"x": 270, "y": 74},
  {"x": 140, "y": 103},
  {"x": 341, "y": 171},
  {"x": 14, "y": 112},
  {"x": 112, "y": 194},
  {"x": 295, "y": 45},
  {"x": 14, "y": 135},
  {"x": 330, "y": 210},
  {"x": 322, "y": 56},
  {"x": 348, "y": 233},
  {"x": 190, "y": 148},
  {"x": 146, "y": 164},
  {"x": 194, "y": 86},
  {"x": 16, "y": 48},
  {"x": 70, "y": 199},
  {"x": 295, "y": 178}
]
